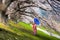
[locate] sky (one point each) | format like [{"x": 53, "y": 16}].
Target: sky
[{"x": 41, "y": 12}]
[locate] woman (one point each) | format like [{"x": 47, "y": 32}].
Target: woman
[{"x": 34, "y": 29}]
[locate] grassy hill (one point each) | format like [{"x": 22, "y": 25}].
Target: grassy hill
[{"x": 21, "y": 31}]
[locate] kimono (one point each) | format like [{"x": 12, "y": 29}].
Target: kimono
[{"x": 34, "y": 29}]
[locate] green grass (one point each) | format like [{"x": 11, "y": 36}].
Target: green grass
[
  {"x": 21, "y": 31},
  {"x": 48, "y": 29}
]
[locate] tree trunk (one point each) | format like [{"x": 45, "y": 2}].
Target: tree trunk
[
  {"x": 3, "y": 17},
  {"x": 0, "y": 16}
]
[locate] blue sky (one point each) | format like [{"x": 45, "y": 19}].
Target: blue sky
[{"x": 41, "y": 12}]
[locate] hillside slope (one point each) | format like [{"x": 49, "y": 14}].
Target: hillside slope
[{"x": 21, "y": 31}]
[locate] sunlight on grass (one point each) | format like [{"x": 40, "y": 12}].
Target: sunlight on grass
[
  {"x": 8, "y": 28},
  {"x": 25, "y": 31}
]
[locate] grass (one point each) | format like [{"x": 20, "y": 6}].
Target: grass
[
  {"x": 48, "y": 29},
  {"x": 21, "y": 31}
]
